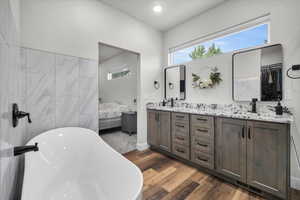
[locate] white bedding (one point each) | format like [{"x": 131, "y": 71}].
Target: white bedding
[{"x": 111, "y": 110}]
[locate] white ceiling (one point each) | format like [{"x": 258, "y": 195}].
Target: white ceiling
[{"x": 174, "y": 11}]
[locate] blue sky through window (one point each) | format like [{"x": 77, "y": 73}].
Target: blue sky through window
[{"x": 244, "y": 39}]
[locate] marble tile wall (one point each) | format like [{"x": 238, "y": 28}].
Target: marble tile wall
[
  {"x": 40, "y": 92},
  {"x": 12, "y": 87},
  {"x": 61, "y": 91}
]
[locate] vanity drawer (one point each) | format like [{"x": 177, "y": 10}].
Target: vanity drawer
[
  {"x": 181, "y": 139},
  {"x": 202, "y": 121},
  {"x": 205, "y": 146},
  {"x": 202, "y": 159},
  {"x": 181, "y": 151},
  {"x": 181, "y": 117},
  {"x": 202, "y": 132},
  {"x": 181, "y": 128}
]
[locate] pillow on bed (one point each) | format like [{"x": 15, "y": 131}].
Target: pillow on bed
[
  {"x": 111, "y": 110},
  {"x": 108, "y": 105}
]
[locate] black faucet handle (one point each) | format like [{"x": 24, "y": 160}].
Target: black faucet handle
[
  {"x": 253, "y": 104},
  {"x": 17, "y": 115},
  {"x": 29, "y": 119},
  {"x": 254, "y": 100}
]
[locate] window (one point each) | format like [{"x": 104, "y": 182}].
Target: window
[
  {"x": 250, "y": 37},
  {"x": 120, "y": 74}
]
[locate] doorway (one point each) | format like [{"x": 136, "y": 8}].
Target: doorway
[{"x": 118, "y": 97}]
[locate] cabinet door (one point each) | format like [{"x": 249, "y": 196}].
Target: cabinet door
[
  {"x": 231, "y": 148},
  {"x": 153, "y": 130},
  {"x": 164, "y": 140},
  {"x": 267, "y": 157}
]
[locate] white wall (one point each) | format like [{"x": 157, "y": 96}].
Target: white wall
[
  {"x": 285, "y": 29},
  {"x": 75, "y": 28},
  {"x": 123, "y": 90},
  {"x": 220, "y": 94}
]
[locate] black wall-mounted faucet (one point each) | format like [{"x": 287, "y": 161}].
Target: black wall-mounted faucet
[
  {"x": 24, "y": 149},
  {"x": 253, "y": 104},
  {"x": 16, "y": 115}
]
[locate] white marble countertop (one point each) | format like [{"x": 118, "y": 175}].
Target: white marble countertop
[{"x": 265, "y": 116}]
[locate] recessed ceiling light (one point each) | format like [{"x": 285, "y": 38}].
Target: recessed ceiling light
[{"x": 157, "y": 8}]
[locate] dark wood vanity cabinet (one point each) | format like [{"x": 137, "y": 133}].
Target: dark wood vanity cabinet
[
  {"x": 231, "y": 148},
  {"x": 202, "y": 140},
  {"x": 181, "y": 135},
  {"x": 159, "y": 129},
  {"x": 254, "y": 153},
  {"x": 268, "y": 157},
  {"x": 152, "y": 124}
]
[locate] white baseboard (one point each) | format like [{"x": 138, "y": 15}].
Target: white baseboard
[
  {"x": 295, "y": 183},
  {"x": 142, "y": 146}
]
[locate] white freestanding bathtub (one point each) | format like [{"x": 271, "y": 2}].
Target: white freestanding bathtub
[{"x": 76, "y": 164}]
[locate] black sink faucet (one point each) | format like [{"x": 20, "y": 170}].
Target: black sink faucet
[
  {"x": 24, "y": 149},
  {"x": 170, "y": 102},
  {"x": 253, "y": 104}
]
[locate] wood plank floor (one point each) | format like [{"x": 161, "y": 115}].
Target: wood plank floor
[{"x": 168, "y": 179}]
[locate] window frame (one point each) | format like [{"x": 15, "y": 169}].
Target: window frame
[
  {"x": 120, "y": 74},
  {"x": 221, "y": 34}
]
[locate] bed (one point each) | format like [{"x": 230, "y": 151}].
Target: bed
[{"x": 110, "y": 115}]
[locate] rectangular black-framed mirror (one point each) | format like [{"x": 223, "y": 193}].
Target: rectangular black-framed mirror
[
  {"x": 258, "y": 73},
  {"x": 175, "y": 82}
]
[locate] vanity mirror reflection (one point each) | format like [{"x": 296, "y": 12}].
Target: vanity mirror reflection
[
  {"x": 175, "y": 82},
  {"x": 257, "y": 73}
]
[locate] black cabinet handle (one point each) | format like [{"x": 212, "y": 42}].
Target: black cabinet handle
[
  {"x": 179, "y": 116},
  {"x": 203, "y": 145},
  {"x": 249, "y": 133},
  {"x": 202, "y": 130},
  {"x": 201, "y": 159},
  {"x": 180, "y": 126},
  {"x": 180, "y": 151},
  {"x": 243, "y": 132},
  {"x": 201, "y": 119},
  {"x": 179, "y": 138}
]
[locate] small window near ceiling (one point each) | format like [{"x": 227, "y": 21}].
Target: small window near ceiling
[
  {"x": 245, "y": 38},
  {"x": 109, "y": 76},
  {"x": 120, "y": 74}
]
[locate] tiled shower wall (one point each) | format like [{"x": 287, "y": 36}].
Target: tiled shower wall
[
  {"x": 12, "y": 90},
  {"x": 57, "y": 90},
  {"x": 61, "y": 91}
]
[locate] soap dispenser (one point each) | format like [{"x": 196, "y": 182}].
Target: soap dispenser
[
  {"x": 164, "y": 102},
  {"x": 279, "y": 108}
]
